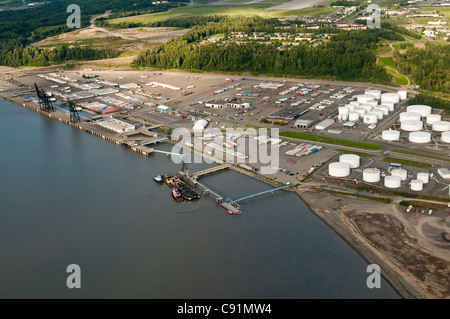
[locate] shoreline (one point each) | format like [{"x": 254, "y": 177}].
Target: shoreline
[{"x": 325, "y": 212}]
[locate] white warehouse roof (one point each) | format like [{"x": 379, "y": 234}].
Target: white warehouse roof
[{"x": 200, "y": 124}]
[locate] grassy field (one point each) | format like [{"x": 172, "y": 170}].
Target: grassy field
[
  {"x": 388, "y": 61},
  {"x": 406, "y": 162},
  {"x": 330, "y": 140},
  {"x": 202, "y": 9},
  {"x": 419, "y": 155}
]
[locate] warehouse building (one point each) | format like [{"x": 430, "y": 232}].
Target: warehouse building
[{"x": 164, "y": 109}]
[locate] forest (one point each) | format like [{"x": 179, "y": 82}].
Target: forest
[
  {"x": 347, "y": 56},
  {"x": 428, "y": 67},
  {"x": 20, "y": 28}
]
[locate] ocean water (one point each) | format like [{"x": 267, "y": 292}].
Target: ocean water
[{"x": 68, "y": 197}]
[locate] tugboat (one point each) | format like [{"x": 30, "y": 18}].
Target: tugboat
[
  {"x": 158, "y": 179},
  {"x": 176, "y": 194}
]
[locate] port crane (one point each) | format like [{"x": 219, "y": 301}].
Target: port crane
[
  {"x": 74, "y": 109},
  {"x": 44, "y": 100}
]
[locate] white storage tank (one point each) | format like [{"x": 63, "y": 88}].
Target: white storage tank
[
  {"x": 441, "y": 126},
  {"x": 390, "y": 97},
  {"x": 351, "y": 159},
  {"x": 390, "y": 135},
  {"x": 371, "y": 175},
  {"x": 370, "y": 118},
  {"x": 383, "y": 108},
  {"x": 419, "y": 137},
  {"x": 424, "y": 177},
  {"x": 400, "y": 172},
  {"x": 361, "y": 112},
  {"x": 445, "y": 137},
  {"x": 410, "y": 116},
  {"x": 433, "y": 118},
  {"x": 363, "y": 98},
  {"x": 375, "y": 93},
  {"x": 416, "y": 185},
  {"x": 411, "y": 126},
  {"x": 378, "y": 112},
  {"x": 366, "y": 107},
  {"x": 353, "y": 116},
  {"x": 403, "y": 94},
  {"x": 351, "y": 107},
  {"x": 355, "y": 103},
  {"x": 339, "y": 169},
  {"x": 423, "y": 110},
  {"x": 390, "y": 105},
  {"x": 343, "y": 110},
  {"x": 392, "y": 182},
  {"x": 372, "y": 103}
]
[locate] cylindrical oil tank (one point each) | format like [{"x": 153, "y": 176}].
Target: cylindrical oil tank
[
  {"x": 375, "y": 93},
  {"x": 433, "y": 118},
  {"x": 445, "y": 137},
  {"x": 353, "y": 116},
  {"x": 391, "y": 105},
  {"x": 411, "y": 126},
  {"x": 424, "y": 177},
  {"x": 361, "y": 112},
  {"x": 392, "y": 182},
  {"x": 351, "y": 159},
  {"x": 366, "y": 107},
  {"x": 339, "y": 169},
  {"x": 343, "y": 117},
  {"x": 419, "y": 137},
  {"x": 355, "y": 103},
  {"x": 441, "y": 126},
  {"x": 390, "y": 97},
  {"x": 363, "y": 98},
  {"x": 390, "y": 135},
  {"x": 373, "y": 103},
  {"x": 370, "y": 118},
  {"x": 400, "y": 172},
  {"x": 423, "y": 110},
  {"x": 371, "y": 175},
  {"x": 342, "y": 110},
  {"x": 410, "y": 116},
  {"x": 379, "y": 113},
  {"x": 351, "y": 107},
  {"x": 416, "y": 185},
  {"x": 403, "y": 94},
  {"x": 383, "y": 108}
]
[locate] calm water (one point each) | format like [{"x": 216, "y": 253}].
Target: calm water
[{"x": 67, "y": 197}]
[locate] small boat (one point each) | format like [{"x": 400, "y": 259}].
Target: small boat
[
  {"x": 158, "y": 179},
  {"x": 176, "y": 194},
  {"x": 234, "y": 213}
]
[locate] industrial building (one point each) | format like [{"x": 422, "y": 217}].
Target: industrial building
[
  {"x": 115, "y": 125},
  {"x": 164, "y": 109},
  {"x": 200, "y": 124}
]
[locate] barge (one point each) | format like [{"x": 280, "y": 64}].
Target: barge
[{"x": 176, "y": 183}]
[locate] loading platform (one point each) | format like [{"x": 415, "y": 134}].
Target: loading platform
[
  {"x": 267, "y": 191},
  {"x": 196, "y": 175}
]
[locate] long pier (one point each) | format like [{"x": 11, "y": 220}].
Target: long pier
[
  {"x": 267, "y": 191},
  {"x": 196, "y": 175}
]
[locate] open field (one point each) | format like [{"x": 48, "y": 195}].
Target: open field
[{"x": 330, "y": 140}]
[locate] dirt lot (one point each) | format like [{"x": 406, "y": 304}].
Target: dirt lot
[
  {"x": 136, "y": 37},
  {"x": 410, "y": 249}
]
